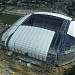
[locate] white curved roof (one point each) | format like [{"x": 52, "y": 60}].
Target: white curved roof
[
  {"x": 54, "y": 14},
  {"x": 32, "y": 40},
  {"x": 71, "y": 30}
]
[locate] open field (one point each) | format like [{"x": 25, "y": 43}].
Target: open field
[{"x": 8, "y": 18}]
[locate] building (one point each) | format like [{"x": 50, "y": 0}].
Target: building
[{"x": 44, "y": 36}]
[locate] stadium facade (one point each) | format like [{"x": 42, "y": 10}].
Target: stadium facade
[{"x": 44, "y": 36}]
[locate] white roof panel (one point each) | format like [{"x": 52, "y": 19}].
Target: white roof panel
[
  {"x": 55, "y": 14},
  {"x": 33, "y": 40},
  {"x": 71, "y": 30}
]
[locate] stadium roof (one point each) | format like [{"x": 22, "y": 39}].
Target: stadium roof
[
  {"x": 32, "y": 40},
  {"x": 26, "y": 37}
]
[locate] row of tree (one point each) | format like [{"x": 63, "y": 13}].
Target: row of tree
[{"x": 67, "y": 6}]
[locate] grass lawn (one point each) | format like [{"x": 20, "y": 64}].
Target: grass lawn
[{"x": 8, "y": 18}]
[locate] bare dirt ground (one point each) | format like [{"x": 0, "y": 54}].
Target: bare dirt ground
[
  {"x": 13, "y": 65},
  {"x": 21, "y": 11}
]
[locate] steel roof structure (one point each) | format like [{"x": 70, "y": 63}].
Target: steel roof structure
[
  {"x": 44, "y": 36},
  {"x": 32, "y": 40}
]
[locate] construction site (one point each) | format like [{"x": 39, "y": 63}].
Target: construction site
[{"x": 12, "y": 66}]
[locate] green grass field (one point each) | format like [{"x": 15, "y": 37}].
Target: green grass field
[{"x": 8, "y": 18}]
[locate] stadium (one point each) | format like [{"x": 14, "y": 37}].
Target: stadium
[{"x": 44, "y": 36}]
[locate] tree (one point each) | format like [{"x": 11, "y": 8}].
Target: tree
[
  {"x": 71, "y": 8},
  {"x": 72, "y": 72}
]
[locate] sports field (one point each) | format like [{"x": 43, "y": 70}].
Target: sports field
[{"x": 8, "y": 18}]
